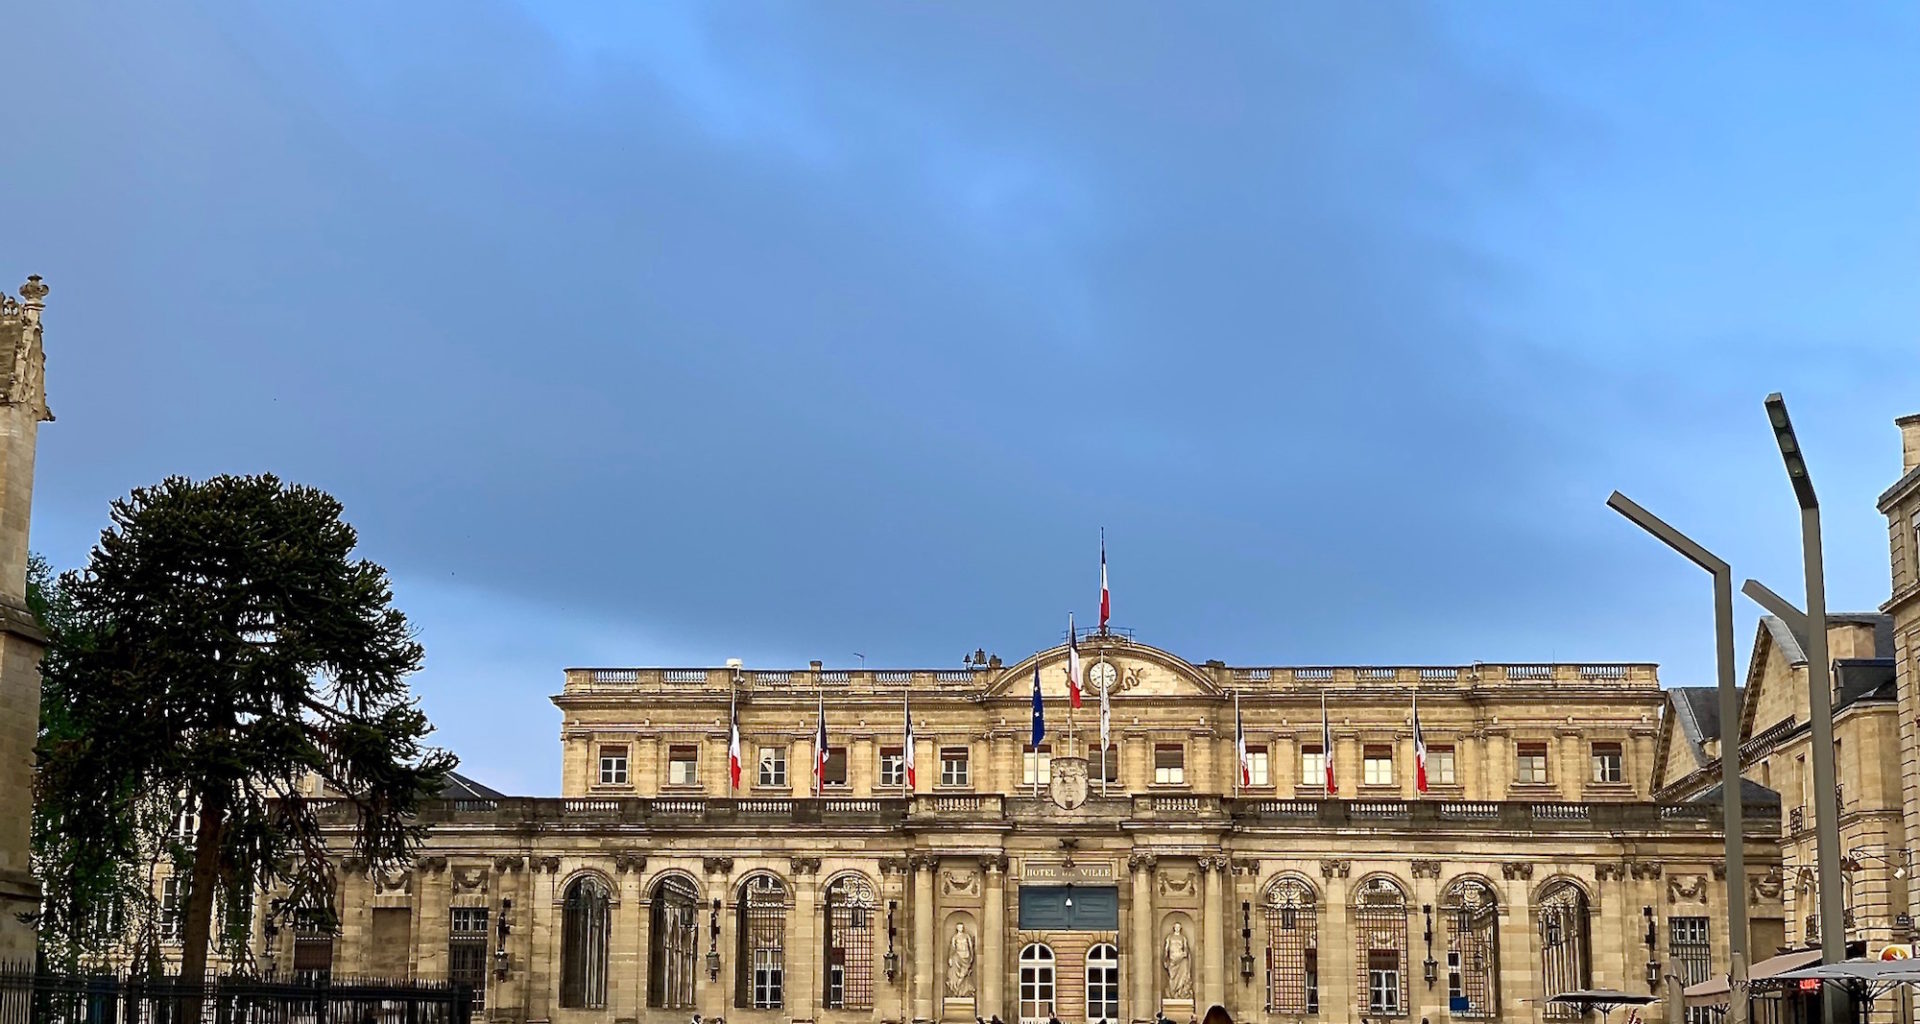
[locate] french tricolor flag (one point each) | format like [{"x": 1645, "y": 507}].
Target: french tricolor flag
[{"x": 733, "y": 743}]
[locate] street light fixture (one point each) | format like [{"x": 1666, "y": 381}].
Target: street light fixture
[
  {"x": 1826, "y": 803},
  {"x": 1733, "y": 823}
]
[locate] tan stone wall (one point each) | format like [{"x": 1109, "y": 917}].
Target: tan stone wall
[{"x": 22, "y": 409}]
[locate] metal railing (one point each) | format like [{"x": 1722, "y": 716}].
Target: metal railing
[{"x": 38, "y": 997}]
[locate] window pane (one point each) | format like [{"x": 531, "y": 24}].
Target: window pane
[
  {"x": 1440, "y": 766},
  {"x": 1257, "y": 765},
  {"x": 835, "y": 773},
  {"x": 1606, "y": 762},
  {"x": 953, "y": 766},
  {"x": 613, "y": 766},
  {"x": 683, "y": 765},
  {"x": 1169, "y": 764},
  {"x": 773, "y": 766},
  {"x": 1377, "y": 765},
  {"x": 1036, "y": 765}
]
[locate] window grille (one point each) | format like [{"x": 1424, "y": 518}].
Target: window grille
[
  {"x": 1693, "y": 956},
  {"x": 583, "y": 944},
  {"x": 1293, "y": 948},
  {"x": 763, "y": 935},
  {"x": 1473, "y": 949},
  {"x": 467, "y": 951},
  {"x": 1380, "y": 925},
  {"x": 1565, "y": 952},
  {"x": 850, "y": 912},
  {"x": 674, "y": 943}
]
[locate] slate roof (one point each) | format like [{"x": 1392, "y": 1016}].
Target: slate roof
[
  {"x": 459, "y": 787},
  {"x": 1751, "y": 792},
  {"x": 1696, "y": 711},
  {"x": 1862, "y": 679}
]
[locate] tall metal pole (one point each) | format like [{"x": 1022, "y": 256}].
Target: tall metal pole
[
  {"x": 1826, "y": 802},
  {"x": 1733, "y": 824}
]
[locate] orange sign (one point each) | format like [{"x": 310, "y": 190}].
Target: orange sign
[{"x": 1900, "y": 951}]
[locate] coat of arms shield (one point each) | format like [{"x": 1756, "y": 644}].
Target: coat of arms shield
[{"x": 1068, "y": 784}]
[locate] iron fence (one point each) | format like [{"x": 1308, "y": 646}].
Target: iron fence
[{"x": 39, "y": 997}]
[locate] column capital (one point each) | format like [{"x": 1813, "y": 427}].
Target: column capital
[
  {"x": 1331, "y": 869},
  {"x": 1140, "y": 862},
  {"x": 804, "y": 865},
  {"x": 994, "y": 864},
  {"x": 893, "y": 865},
  {"x": 717, "y": 865},
  {"x": 921, "y": 861}
]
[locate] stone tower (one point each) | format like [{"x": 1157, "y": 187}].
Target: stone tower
[{"x": 23, "y": 406}]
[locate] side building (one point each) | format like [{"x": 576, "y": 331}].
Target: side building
[{"x": 983, "y": 875}]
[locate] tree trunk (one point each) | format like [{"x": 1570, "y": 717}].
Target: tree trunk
[{"x": 198, "y": 927}]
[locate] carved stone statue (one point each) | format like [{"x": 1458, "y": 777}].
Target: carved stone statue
[
  {"x": 960, "y": 963},
  {"x": 1177, "y": 957}
]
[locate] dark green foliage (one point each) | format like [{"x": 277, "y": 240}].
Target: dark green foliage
[{"x": 224, "y": 648}]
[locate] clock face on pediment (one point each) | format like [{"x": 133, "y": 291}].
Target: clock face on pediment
[
  {"x": 1115, "y": 672},
  {"x": 1101, "y": 676}
]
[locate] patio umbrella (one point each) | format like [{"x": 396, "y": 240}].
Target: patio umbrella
[
  {"x": 1871, "y": 978},
  {"x": 1606, "y": 1000}
]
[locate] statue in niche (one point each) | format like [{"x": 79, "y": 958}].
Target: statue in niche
[
  {"x": 1177, "y": 957},
  {"x": 960, "y": 963}
]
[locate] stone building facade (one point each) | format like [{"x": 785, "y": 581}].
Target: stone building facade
[
  {"x": 1014, "y": 882},
  {"x": 23, "y": 407}
]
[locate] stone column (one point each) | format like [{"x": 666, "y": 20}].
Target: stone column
[
  {"x": 1138, "y": 951},
  {"x": 992, "y": 969},
  {"x": 432, "y": 893},
  {"x": 543, "y": 945},
  {"x": 627, "y": 960},
  {"x": 715, "y": 995},
  {"x": 1213, "y": 945},
  {"x": 1336, "y": 943},
  {"x": 507, "y": 997},
  {"x": 921, "y": 954},
  {"x": 803, "y": 966}
]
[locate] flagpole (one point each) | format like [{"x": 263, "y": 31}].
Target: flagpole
[{"x": 1239, "y": 747}]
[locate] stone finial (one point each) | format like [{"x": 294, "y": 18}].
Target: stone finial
[{"x": 34, "y": 291}]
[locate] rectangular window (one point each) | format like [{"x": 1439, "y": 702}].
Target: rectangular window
[
  {"x": 1606, "y": 762},
  {"x": 1169, "y": 764},
  {"x": 186, "y": 828},
  {"x": 172, "y": 913},
  {"x": 683, "y": 765},
  {"x": 467, "y": 951},
  {"x": 1530, "y": 763},
  {"x": 1454, "y": 990},
  {"x": 773, "y": 766},
  {"x": 767, "y": 979},
  {"x": 1313, "y": 766},
  {"x": 1036, "y": 765},
  {"x": 1257, "y": 766},
  {"x": 1383, "y": 981},
  {"x": 835, "y": 772},
  {"x": 893, "y": 767},
  {"x": 1376, "y": 767},
  {"x": 312, "y": 950},
  {"x": 1108, "y": 768},
  {"x": 1440, "y": 770},
  {"x": 613, "y": 766},
  {"x": 953, "y": 766}
]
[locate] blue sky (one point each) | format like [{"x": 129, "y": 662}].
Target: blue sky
[{"x": 661, "y": 334}]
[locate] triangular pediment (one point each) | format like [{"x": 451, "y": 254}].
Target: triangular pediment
[{"x": 1136, "y": 670}]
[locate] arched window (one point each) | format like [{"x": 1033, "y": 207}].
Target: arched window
[
  {"x": 760, "y": 966},
  {"x": 1565, "y": 950},
  {"x": 1808, "y": 906},
  {"x": 583, "y": 944},
  {"x": 1380, "y": 922},
  {"x": 1103, "y": 984},
  {"x": 1293, "y": 947},
  {"x": 1036, "y": 984},
  {"x": 673, "y": 943},
  {"x": 1473, "y": 948},
  {"x": 849, "y": 943}
]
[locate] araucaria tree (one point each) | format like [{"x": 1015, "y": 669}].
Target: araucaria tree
[{"x": 234, "y": 649}]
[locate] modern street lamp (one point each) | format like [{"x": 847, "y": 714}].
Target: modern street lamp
[
  {"x": 1730, "y": 796},
  {"x": 1826, "y": 802}
]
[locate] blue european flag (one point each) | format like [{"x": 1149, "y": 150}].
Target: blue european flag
[{"x": 1039, "y": 711}]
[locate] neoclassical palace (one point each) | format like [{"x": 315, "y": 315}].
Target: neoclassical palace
[{"x": 1020, "y": 882}]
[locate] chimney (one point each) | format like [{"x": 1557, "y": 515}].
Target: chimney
[
  {"x": 1909, "y": 442},
  {"x": 816, "y": 665}
]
